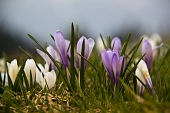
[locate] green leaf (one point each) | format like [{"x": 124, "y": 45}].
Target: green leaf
[
  {"x": 125, "y": 45},
  {"x": 24, "y": 52},
  {"x": 72, "y": 79},
  {"x": 108, "y": 42},
  {"x": 82, "y": 67}
]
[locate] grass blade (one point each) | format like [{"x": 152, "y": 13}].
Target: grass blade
[
  {"x": 125, "y": 44},
  {"x": 103, "y": 42},
  {"x": 72, "y": 79},
  {"x": 82, "y": 67}
]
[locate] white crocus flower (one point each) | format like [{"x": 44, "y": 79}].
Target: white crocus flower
[
  {"x": 13, "y": 70},
  {"x": 49, "y": 76},
  {"x": 143, "y": 74},
  {"x": 30, "y": 69}
]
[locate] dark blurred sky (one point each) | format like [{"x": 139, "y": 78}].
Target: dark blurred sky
[{"x": 41, "y": 18}]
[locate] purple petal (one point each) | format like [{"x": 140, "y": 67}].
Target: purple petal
[
  {"x": 61, "y": 47},
  {"x": 122, "y": 58},
  {"x": 107, "y": 61},
  {"x": 147, "y": 48},
  {"x": 79, "y": 49},
  {"x": 141, "y": 89},
  {"x": 157, "y": 47},
  {"x": 115, "y": 51},
  {"x": 44, "y": 56},
  {"x": 91, "y": 43},
  {"x": 149, "y": 84},
  {"x": 53, "y": 53},
  {"x": 116, "y": 65},
  {"x": 116, "y": 44}
]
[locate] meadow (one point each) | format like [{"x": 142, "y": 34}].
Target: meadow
[{"x": 79, "y": 76}]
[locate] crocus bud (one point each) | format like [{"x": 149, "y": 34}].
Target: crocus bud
[
  {"x": 13, "y": 70},
  {"x": 143, "y": 74},
  {"x": 148, "y": 50},
  {"x": 89, "y": 44},
  {"x": 116, "y": 44},
  {"x": 113, "y": 63},
  {"x": 30, "y": 69}
]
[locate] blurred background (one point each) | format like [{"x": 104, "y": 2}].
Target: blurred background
[{"x": 94, "y": 17}]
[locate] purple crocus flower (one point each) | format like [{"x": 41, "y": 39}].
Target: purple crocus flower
[
  {"x": 89, "y": 44},
  {"x": 147, "y": 48},
  {"x": 62, "y": 46},
  {"x": 47, "y": 59},
  {"x": 113, "y": 63},
  {"x": 116, "y": 44}
]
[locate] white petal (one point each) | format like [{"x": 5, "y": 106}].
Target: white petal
[
  {"x": 30, "y": 66},
  {"x": 50, "y": 78},
  {"x": 12, "y": 70},
  {"x": 139, "y": 84},
  {"x": 143, "y": 69}
]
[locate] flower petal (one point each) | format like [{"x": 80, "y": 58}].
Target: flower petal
[
  {"x": 116, "y": 65},
  {"x": 53, "y": 53},
  {"x": 147, "y": 48},
  {"x": 107, "y": 61},
  {"x": 143, "y": 69},
  {"x": 121, "y": 59},
  {"x": 91, "y": 43},
  {"x": 39, "y": 74},
  {"x": 140, "y": 85},
  {"x": 61, "y": 47},
  {"x": 116, "y": 44},
  {"x": 50, "y": 78},
  {"x": 13, "y": 70},
  {"x": 30, "y": 66},
  {"x": 79, "y": 49},
  {"x": 44, "y": 56}
]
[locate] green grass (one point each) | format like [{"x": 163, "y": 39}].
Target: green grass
[{"x": 95, "y": 92}]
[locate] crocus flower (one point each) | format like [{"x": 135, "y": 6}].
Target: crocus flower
[
  {"x": 89, "y": 44},
  {"x": 30, "y": 69},
  {"x": 45, "y": 77},
  {"x": 148, "y": 49},
  {"x": 47, "y": 59},
  {"x": 113, "y": 63},
  {"x": 116, "y": 44},
  {"x": 62, "y": 46},
  {"x": 155, "y": 40},
  {"x": 13, "y": 70},
  {"x": 143, "y": 74}
]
